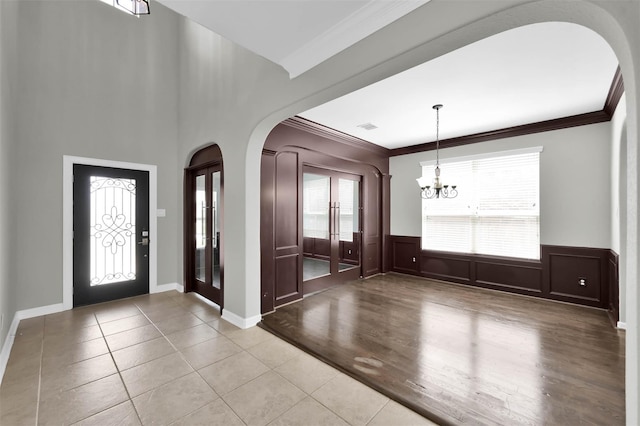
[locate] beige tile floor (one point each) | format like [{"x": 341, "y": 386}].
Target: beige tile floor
[{"x": 170, "y": 359}]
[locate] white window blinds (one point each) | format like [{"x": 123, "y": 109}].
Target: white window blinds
[
  {"x": 315, "y": 206},
  {"x": 496, "y": 212}
]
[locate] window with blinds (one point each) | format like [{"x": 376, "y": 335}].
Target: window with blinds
[{"x": 496, "y": 212}]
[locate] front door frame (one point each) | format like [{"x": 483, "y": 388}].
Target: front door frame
[{"x": 67, "y": 220}]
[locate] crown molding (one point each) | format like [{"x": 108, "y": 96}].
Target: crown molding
[
  {"x": 615, "y": 93},
  {"x": 365, "y": 21},
  {"x": 336, "y": 135},
  {"x": 611, "y": 103},
  {"x": 509, "y": 132}
]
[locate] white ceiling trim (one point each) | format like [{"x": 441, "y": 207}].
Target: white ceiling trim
[{"x": 370, "y": 18}]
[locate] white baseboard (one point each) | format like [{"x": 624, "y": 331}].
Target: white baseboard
[
  {"x": 621, "y": 325},
  {"x": 161, "y": 288},
  {"x": 179, "y": 288},
  {"x": 207, "y": 301},
  {"x": 42, "y": 310},
  {"x": 11, "y": 335},
  {"x": 239, "y": 321},
  {"x": 8, "y": 344}
]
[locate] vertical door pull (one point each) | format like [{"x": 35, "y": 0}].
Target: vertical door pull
[{"x": 338, "y": 219}]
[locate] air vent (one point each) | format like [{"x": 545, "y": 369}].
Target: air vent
[{"x": 368, "y": 126}]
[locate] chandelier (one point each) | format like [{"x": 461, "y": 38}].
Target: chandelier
[{"x": 438, "y": 190}]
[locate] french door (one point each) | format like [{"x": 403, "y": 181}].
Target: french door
[
  {"x": 110, "y": 233},
  {"x": 206, "y": 226},
  {"x": 332, "y": 225}
]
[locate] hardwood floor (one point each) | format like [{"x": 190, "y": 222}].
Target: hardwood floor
[{"x": 462, "y": 355}]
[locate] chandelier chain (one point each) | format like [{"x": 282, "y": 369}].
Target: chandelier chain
[{"x": 437, "y": 137}]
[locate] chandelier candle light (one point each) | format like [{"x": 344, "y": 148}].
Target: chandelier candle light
[{"x": 439, "y": 190}]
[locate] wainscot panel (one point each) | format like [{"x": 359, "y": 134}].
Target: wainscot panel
[
  {"x": 405, "y": 252},
  {"x": 614, "y": 297},
  {"x": 577, "y": 274},
  {"x": 287, "y": 288},
  {"x": 510, "y": 275},
  {"x": 446, "y": 266},
  {"x": 584, "y": 276}
]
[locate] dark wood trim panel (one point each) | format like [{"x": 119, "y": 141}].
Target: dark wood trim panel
[
  {"x": 615, "y": 93},
  {"x": 293, "y": 146},
  {"x": 577, "y": 275},
  {"x": 584, "y": 276},
  {"x": 405, "y": 254},
  {"x": 335, "y": 135},
  {"x": 267, "y": 231},
  {"x": 509, "y": 132},
  {"x": 614, "y": 287}
]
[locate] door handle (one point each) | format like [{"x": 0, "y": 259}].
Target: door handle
[
  {"x": 331, "y": 225},
  {"x": 144, "y": 242},
  {"x": 337, "y": 220},
  {"x": 333, "y": 220}
]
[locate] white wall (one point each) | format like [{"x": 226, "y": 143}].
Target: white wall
[
  {"x": 92, "y": 82},
  {"x": 72, "y": 52},
  {"x": 619, "y": 199},
  {"x": 574, "y": 184},
  {"x": 7, "y": 72}
]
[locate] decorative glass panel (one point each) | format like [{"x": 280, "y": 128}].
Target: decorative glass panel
[
  {"x": 113, "y": 230},
  {"x": 215, "y": 217},
  {"x": 201, "y": 228}
]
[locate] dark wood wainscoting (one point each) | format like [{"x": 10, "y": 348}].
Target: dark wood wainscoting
[
  {"x": 290, "y": 147},
  {"x": 614, "y": 288},
  {"x": 318, "y": 248},
  {"x": 585, "y": 276}
]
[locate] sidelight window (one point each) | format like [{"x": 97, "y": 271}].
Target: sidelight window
[{"x": 497, "y": 211}]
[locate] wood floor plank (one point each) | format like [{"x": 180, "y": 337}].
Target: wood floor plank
[{"x": 461, "y": 355}]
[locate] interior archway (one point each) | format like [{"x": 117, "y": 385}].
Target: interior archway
[{"x": 601, "y": 21}]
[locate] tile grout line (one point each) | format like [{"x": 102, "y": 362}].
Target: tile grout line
[
  {"x": 381, "y": 408},
  {"x": 40, "y": 374},
  {"x": 198, "y": 372},
  {"x": 119, "y": 372},
  {"x": 185, "y": 360}
]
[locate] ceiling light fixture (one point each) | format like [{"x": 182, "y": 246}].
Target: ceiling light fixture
[
  {"x": 134, "y": 7},
  {"x": 439, "y": 190}
]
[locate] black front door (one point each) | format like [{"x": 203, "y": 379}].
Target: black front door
[{"x": 110, "y": 234}]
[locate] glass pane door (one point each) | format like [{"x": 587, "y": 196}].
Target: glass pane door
[
  {"x": 206, "y": 233},
  {"x": 331, "y": 226},
  {"x": 215, "y": 228},
  {"x": 349, "y": 223},
  {"x": 201, "y": 228},
  {"x": 316, "y": 226}
]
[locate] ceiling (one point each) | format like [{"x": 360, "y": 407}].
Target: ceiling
[
  {"x": 525, "y": 75},
  {"x": 297, "y": 35}
]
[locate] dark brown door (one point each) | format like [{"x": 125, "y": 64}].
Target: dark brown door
[
  {"x": 206, "y": 226},
  {"x": 331, "y": 228},
  {"x": 110, "y": 233}
]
